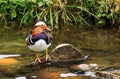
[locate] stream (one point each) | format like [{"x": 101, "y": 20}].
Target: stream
[{"x": 102, "y": 44}]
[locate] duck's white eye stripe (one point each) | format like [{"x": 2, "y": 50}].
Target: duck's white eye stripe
[{"x": 39, "y": 23}]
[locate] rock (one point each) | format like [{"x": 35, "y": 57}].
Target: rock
[
  {"x": 65, "y": 52},
  {"x": 81, "y": 67},
  {"x": 70, "y": 75},
  {"x": 64, "y": 55},
  {"x": 84, "y": 67},
  {"x": 107, "y": 75}
]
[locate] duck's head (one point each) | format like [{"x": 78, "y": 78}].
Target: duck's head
[
  {"x": 42, "y": 25},
  {"x": 39, "y": 27}
]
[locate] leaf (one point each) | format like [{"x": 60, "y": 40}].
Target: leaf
[
  {"x": 13, "y": 14},
  {"x": 34, "y": 1},
  {"x": 48, "y": 2},
  {"x": 18, "y": 2},
  {"x": 51, "y": 17},
  {"x": 99, "y": 15},
  {"x": 103, "y": 15},
  {"x": 3, "y": 1},
  {"x": 117, "y": 8},
  {"x": 101, "y": 22},
  {"x": 40, "y": 4},
  {"x": 21, "y": 4},
  {"x": 56, "y": 18}
]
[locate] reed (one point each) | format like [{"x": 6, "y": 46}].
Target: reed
[{"x": 58, "y": 13}]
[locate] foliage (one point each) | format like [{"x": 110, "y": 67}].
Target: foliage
[{"x": 59, "y": 12}]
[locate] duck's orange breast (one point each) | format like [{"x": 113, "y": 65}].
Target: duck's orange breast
[{"x": 36, "y": 31}]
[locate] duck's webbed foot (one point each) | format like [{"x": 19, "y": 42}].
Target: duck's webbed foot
[
  {"x": 37, "y": 57},
  {"x": 47, "y": 56}
]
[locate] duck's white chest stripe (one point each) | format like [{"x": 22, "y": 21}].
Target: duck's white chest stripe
[{"x": 30, "y": 40}]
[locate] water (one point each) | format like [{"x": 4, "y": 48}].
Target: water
[{"x": 102, "y": 45}]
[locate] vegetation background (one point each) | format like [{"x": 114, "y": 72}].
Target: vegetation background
[{"x": 100, "y": 13}]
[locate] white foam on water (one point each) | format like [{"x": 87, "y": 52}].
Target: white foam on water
[
  {"x": 90, "y": 74},
  {"x": 9, "y": 55},
  {"x": 21, "y": 77},
  {"x": 67, "y": 74},
  {"x": 33, "y": 76}
]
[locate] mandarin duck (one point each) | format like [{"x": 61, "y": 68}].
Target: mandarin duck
[{"x": 39, "y": 39}]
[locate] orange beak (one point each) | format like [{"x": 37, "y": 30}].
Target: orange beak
[{"x": 48, "y": 29}]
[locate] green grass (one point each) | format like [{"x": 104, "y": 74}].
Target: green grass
[{"x": 58, "y": 13}]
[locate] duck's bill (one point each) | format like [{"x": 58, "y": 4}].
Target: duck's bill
[{"x": 48, "y": 29}]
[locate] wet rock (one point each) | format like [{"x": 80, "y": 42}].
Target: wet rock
[
  {"x": 72, "y": 76},
  {"x": 58, "y": 63},
  {"x": 84, "y": 67},
  {"x": 107, "y": 75},
  {"x": 64, "y": 55},
  {"x": 80, "y": 67},
  {"x": 96, "y": 71},
  {"x": 65, "y": 52},
  {"x": 90, "y": 66}
]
